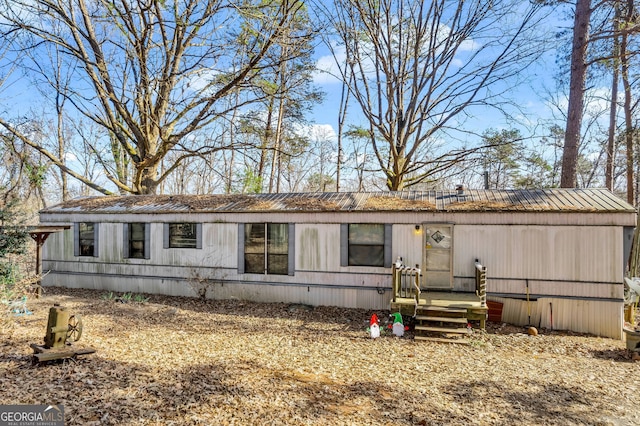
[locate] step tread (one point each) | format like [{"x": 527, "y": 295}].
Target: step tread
[
  {"x": 461, "y": 330},
  {"x": 442, "y": 340},
  {"x": 442, "y": 309},
  {"x": 458, "y": 320}
]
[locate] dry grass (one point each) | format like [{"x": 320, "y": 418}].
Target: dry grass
[
  {"x": 503, "y": 206},
  {"x": 203, "y": 202},
  {"x": 394, "y": 203},
  {"x": 495, "y": 206},
  {"x": 194, "y": 202},
  {"x": 188, "y": 361},
  {"x": 312, "y": 204}
]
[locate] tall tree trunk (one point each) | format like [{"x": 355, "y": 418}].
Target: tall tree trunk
[
  {"x": 628, "y": 134},
  {"x": 232, "y": 132},
  {"x": 282, "y": 92},
  {"x": 342, "y": 115},
  {"x": 276, "y": 167},
  {"x": 266, "y": 141},
  {"x": 614, "y": 102},
  {"x": 576, "y": 93},
  {"x": 148, "y": 180},
  {"x": 61, "y": 147}
]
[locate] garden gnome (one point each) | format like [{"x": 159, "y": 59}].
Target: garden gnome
[
  {"x": 398, "y": 326},
  {"x": 374, "y": 328}
]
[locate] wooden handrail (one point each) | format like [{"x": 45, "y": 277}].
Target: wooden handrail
[
  {"x": 481, "y": 283},
  {"x": 406, "y": 282}
]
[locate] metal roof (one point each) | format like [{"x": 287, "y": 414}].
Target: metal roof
[{"x": 468, "y": 200}]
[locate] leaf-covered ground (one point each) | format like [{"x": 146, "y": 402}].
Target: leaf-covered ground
[{"x": 188, "y": 361}]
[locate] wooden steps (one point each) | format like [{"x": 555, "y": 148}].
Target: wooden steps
[
  {"x": 446, "y": 330},
  {"x": 443, "y": 316},
  {"x": 441, "y": 324},
  {"x": 442, "y": 340},
  {"x": 442, "y": 309},
  {"x": 440, "y": 319}
]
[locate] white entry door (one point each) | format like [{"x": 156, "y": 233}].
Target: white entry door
[{"x": 438, "y": 256}]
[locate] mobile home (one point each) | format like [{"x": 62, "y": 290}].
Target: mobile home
[{"x": 553, "y": 258}]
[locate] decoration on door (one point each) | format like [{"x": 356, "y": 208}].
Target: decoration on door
[{"x": 437, "y": 237}]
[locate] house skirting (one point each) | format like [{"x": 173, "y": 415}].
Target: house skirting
[
  {"x": 266, "y": 292},
  {"x": 599, "y": 317}
]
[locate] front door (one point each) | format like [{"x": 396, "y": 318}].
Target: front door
[{"x": 438, "y": 256}]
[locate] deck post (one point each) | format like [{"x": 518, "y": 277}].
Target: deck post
[{"x": 394, "y": 282}]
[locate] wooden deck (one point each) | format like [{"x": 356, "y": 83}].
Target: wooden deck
[
  {"x": 439, "y": 315},
  {"x": 446, "y": 301}
]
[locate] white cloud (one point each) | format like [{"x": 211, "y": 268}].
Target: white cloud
[
  {"x": 596, "y": 100},
  {"x": 327, "y": 69},
  {"x": 317, "y": 132},
  {"x": 469, "y": 45},
  {"x": 328, "y": 66},
  {"x": 323, "y": 132},
  {"x": 201, "y": 79}
]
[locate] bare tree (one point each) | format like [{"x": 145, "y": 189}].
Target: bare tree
[
  {"x": 52, "y": 79},
  {"x": 322, "y": 168},
  {"x": 359, "y": 158},
  {"x": 152, "y": 72},
  {"x": 418, "y": 67}
]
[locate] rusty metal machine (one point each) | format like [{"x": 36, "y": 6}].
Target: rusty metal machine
[{"x": 63, "y": 329}]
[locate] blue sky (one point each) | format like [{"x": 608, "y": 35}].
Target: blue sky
[
  {"x": 19, "y": 98},
  {"x": 529, "y": 95}
]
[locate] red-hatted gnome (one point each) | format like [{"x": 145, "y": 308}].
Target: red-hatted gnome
[{"x": 374, "y": 327}]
